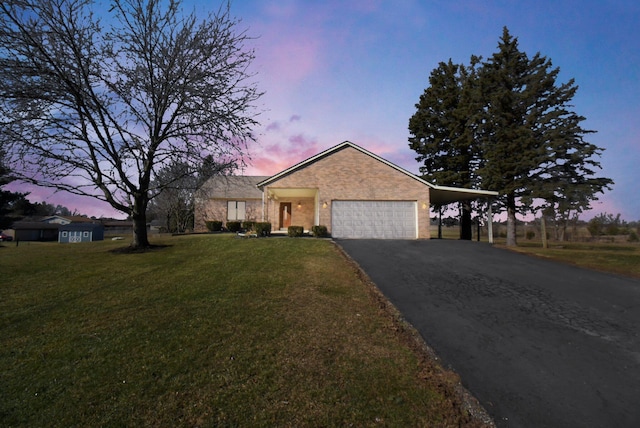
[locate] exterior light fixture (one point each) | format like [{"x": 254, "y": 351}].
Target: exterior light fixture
[
  {"x": 299, "y": 205},
  {"x": 324, "y": 204},
  {"x": 424, "y": 205}
]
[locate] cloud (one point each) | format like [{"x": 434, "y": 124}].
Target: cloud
[
  {"x": 290, "y": 44},
  {"x": 273, "y": 126},
  {"x": 283, "y": 144}
]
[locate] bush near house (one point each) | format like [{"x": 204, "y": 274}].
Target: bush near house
[
  {"x": 320, "y": 231},
  {"x": 214, "y": 226},
  {"x": 234, "y": 226},
  {"x": 263, "y": 228},
  {"x": 248, "y": 225},
  {"x": 295, "y": 231}
]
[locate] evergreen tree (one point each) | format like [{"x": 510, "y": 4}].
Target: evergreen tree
[
  {"x": 442, "y": 132},
  {"x": 532, "y": 143},
  {"x": 507, "y": 125}
]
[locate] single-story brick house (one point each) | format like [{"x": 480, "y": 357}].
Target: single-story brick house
[
  {"x": 351, "y": 191},
  {"x": 80, "y": 232}
]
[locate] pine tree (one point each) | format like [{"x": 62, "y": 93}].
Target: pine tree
[
  {"x": 442, "y": 134},
  {"x": 507, "y": 125},
  {"x": 532, "y": 143}
]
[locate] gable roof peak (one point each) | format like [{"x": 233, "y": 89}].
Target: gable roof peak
[{"x": 329, "y": 152}]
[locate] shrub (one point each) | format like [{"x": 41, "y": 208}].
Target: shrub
[
  {"x": 633, "y": 236},
  {"x": 295, "y": 231},
  {"x": 248, "y": 225},
  {"x": 530, "y": 234},
  {"x": 320, "y": 231},
  {"x": 214, "y": 226},
  {"x": 263, "y": 228},
  {"x": 234, "y": 226}
]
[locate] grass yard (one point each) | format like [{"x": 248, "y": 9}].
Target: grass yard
[
  {"x": 619, "y": 257},
  {"x": 208, "y": 331},
  {"x": 623, "y": 259}
]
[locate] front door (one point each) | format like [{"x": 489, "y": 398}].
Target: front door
[{"x": 285, "y": 215}]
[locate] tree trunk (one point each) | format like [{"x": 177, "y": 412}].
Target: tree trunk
[
  {"x": 543, "y": 232},
  {"x": 139, "y": 216},
  {"x": 511, "y": 221},
  {"x": 465, "y": 221}
]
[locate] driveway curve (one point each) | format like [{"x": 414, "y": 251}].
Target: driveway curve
[{"x": 538, "y": 343}]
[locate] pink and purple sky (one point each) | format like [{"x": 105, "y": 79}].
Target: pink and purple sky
[{"x": 353, "y": 70}]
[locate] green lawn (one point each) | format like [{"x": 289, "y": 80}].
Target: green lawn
[
  {"x": 619, "y": 257},
  {"x": 208, "y": 331},
  {"x": 623, "y": 259}
]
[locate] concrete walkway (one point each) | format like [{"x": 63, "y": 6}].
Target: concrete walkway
[{"x": 539, "y": 343}]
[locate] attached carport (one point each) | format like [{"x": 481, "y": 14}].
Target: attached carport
[{"x": 443, "y": 195}]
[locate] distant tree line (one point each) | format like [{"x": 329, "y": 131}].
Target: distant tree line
[
  {"x": 609, "y": 224},
  {"x": 15, "y": 206}
]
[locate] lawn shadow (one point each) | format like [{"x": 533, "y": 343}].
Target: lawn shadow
[{"x": 138, "y": 250}]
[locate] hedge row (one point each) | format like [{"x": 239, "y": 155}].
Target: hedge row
[
  {"x": 261, "y": 228},
  {"x": 264, "y": 228},
  {"x": 214, "y": 226}
]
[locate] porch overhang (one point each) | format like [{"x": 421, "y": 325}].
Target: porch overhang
[{"x": 276, "y": 193}]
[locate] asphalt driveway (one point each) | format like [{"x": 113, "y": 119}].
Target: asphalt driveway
[{"x": 539, "y": 343}]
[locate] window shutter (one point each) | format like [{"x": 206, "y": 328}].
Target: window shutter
[
  {"x": 241, "y": 210},
  {"x": 231, "y": 210}
]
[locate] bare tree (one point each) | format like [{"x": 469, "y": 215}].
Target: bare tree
[
  {"x": 173, "y": 192},
  {"x": 95, "y": 107}
]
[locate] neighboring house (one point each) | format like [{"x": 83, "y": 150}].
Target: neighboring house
[
  {"x": 80, "y": 232},
  {"x": 55, "y": 219},
  {"x": 49, "y": 228},
  {"x": 35, "y": 231},
  {"x": 58, "y": 219},
  {"x": 118, "y": 227},
  {"x": 351, "y": 191}
]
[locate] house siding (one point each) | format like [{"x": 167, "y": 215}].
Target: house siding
[{"x": 349, "y": 174}]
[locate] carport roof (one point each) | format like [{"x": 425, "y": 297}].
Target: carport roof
[{"x": 440, "y": 195}]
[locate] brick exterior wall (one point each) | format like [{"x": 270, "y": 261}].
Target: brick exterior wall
[
  {"x": 303, "y": 215},
  {"x": 215, "y": 209},
  {"x": 349, "y": 174}
]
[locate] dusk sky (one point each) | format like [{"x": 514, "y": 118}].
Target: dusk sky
[{"x": 354, "y": 70}]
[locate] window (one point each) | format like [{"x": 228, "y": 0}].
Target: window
[
  {"x": 64, "y": 233},
  {"x": 85, "y": 234},
  {"x": 236, "y": 210}
]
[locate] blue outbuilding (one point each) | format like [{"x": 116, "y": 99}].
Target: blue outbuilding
[{"x": 80, "y": 232}]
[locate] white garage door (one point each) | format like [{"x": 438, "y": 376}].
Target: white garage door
[{"x": 374, "y": 219}]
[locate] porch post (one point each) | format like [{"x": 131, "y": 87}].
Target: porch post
[
  {"x": 263, "y": 206},
  {"x": 490, "y": 219}
]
